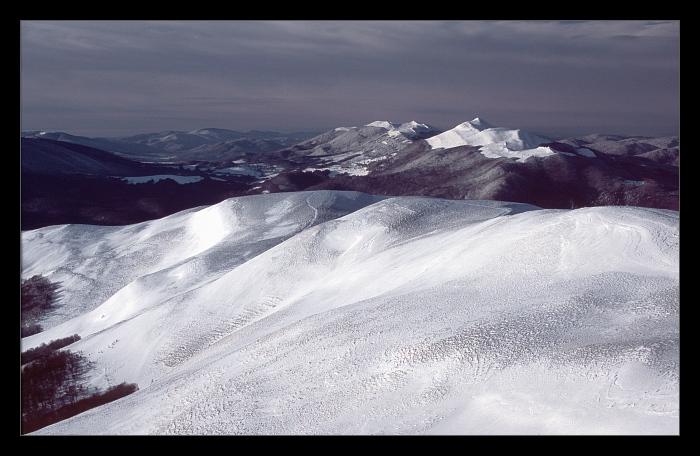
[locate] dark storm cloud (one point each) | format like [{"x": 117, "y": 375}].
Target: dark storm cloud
[{"x": 136, "y": 76}]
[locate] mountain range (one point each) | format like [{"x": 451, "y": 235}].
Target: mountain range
[
  {"x": 384, "y": 279},
  {"x": 474, "y": 160}
]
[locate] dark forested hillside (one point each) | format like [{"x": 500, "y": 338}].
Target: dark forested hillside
[{"x": 71, "y": 183}]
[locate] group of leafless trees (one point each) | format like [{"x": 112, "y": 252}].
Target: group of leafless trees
[
  {"x": 53, "y": 378},
  {"x": 37, "y": 299}
]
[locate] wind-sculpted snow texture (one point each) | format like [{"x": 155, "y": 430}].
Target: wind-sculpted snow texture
[{"x": 342, "y": 313}]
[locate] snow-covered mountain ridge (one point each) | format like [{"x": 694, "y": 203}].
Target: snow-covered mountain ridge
[
  {"x": 494, "y": 142},
  {"x": 474, "y": 160},
  {"x": 343, "y": 313},
  {"x": 412, "y": 129}
]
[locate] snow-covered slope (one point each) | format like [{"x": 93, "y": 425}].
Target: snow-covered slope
[
  {"x": 342, "y": 313},
  {"x": 411, "y": 130},
  {"x": 350, "y": 150},
  {"x": 495, "y": 141}
]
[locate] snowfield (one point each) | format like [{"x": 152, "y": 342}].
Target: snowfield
[{"x": 343, "y": 313}]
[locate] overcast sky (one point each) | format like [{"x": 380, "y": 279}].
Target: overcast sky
[{"x": 115, "y": 78}]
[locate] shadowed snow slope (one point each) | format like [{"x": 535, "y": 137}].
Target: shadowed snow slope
[{"x": 343, "y": 313}]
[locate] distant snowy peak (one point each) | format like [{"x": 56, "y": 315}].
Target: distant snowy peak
[
  {"x": 479, "y": 124},
  {"x": 495, "y": 142},
  {"x": 478, "y": 132},
  {"x": 382, "y": 124},
  {"x": 410, "y": 129},
  {"x": 471, "y": 127},
  {"x": 414, "y": 128}
]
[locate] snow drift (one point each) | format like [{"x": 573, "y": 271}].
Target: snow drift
[{"x": 344, "y": 313}]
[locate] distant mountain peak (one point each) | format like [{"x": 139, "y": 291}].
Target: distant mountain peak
[
  {"x": 411, "y": 129},
  {"x": 494, "y": 142},
  {"x": 382, "y": 124},
  {"x": 476, "y": 125},
  {"x": 480, "y": 123}
]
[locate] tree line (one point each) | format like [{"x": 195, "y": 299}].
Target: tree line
[
  {"x": 54, "y": 379},
  {"x": 45, "y": 350},
  {"x": 55, "y": 386},
  {"x": 37, "y": 296}
]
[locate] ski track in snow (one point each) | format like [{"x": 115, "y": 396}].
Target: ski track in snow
[{"x": 341, "y": 313}]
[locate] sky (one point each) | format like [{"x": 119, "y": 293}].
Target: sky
[{"x": 118, "y": 78}]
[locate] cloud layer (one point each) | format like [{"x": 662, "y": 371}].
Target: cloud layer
[{"x": 125, "y": 77}]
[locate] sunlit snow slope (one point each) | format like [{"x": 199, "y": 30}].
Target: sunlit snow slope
[
  {"x": 494, "y": 142},
  {"x": 342, "y": 313}
]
